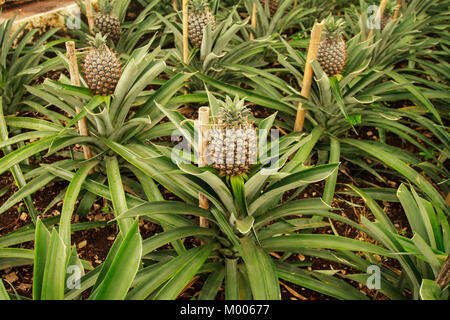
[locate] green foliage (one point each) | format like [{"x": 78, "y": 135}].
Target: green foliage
[
  {"x": 145, "y": 145},
  {"x": 422, "y": 255}
]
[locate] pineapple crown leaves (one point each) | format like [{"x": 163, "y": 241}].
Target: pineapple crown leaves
[
  {"x": 105, "y": 7},
  {"x": 98, "y": 42},
  {"x": 333, "y": 28},
  {"x": 233, "y": 111},
  {"x": 198, "y": 5}
]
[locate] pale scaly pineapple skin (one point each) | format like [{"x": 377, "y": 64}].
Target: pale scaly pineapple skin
[
  {"x": 108, "y": 24},
  {"x": 273, "y": 5},
  {"x": 232, "y": 141},
  {"x": 102, "y": 70},
  {"x": 197, "y": 21},
  {"x": 232, "y": 149},
  {"x": 332, "y": 56}
]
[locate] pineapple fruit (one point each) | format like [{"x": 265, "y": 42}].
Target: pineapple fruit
[
  {"x": 200, "y": 15},
  {"x": 332, "y": 53},
  {"x": 101, "y": 67},
  {"x": 107, "y": 23},
  {"x": 273, "y": 5},
  {"x": 232, "y": 141}
]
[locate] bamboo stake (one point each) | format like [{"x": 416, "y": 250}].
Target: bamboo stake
[
  {"x": 203, "y": 125},
  {"x": 89, "y": 15},
  {"x": 254, "y": 10},
  {"x": 379, "y": 16},
  {"x": 295, "y": 3},
  {"x": 185, "y": 31},
  {"x": 397, "y": 10},
  {"x": 307, "y": 77},
  {"x": 447, "y": 200},
  {"x": 75, "y": 80}
]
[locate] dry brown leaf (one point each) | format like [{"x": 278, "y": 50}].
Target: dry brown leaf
[
  {"x": 82, "y": 244},
  {"x": 276, "y": 255},
  {"x": 11, "y": 277},
  {"x": 293, "y": 292}
]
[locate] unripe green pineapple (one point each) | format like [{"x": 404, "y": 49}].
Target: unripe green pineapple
[
  {"x": 101, "y": 67},
  {"x": 232, "y": 141},
  {"x": 273, "y": 5},
  {"x": 107, "y": 23},
  {"x": 332, "y": 53},
  {"x": 200, "y": 15}
]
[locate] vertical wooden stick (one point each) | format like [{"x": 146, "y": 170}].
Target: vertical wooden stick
[
  {"x": 75, "y": 79},
  {"x": 254, "y": 10},
  {"x": 185, "y": 31},
  {"x": 295, "y": 3},
  {"x": 89, "y": 15},
  {"x": 203, "y": 126},
  {"x": 307, "y": 77},
  {"x": 379, "y": 16},
  {"x": 397, "y": 10}
]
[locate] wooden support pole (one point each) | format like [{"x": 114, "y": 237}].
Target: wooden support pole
[
  {"x": 185, "y": 31},
  {"x": 203, "y": 127},
  {"x": 307, "y": 77},
  {"x": 397, "y": 9},
  {"x": 254, "y": 11},
  {"x": 89, "y": 15},
  {"x": 75, "y": 80},
  {"x": 379, "y": 15}
]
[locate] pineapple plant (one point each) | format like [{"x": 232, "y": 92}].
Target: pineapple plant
[
  {"x": 106, "y": 22},
  {"x": 101, "y": 67},
  {"x": 273, "y": 5},
  {"x": 332, "y": 53},
  {"x": 200, "y": 15},
  {"x": 232, "y": 141}
]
